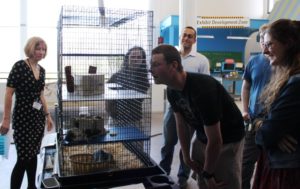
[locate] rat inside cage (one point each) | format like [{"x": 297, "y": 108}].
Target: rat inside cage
[{"x": 104, "y": 90}]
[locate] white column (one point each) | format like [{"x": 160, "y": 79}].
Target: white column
[
  {"x": 188, "y": 15},
  {"x": 23, "y": 26}
]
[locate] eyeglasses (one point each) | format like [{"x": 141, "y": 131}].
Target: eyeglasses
[
  {"x": 268, "y": 44},
  {"x": 190, "y": 36}
]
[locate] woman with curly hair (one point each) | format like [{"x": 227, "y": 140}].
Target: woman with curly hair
[{"x": 278, "y": 133}]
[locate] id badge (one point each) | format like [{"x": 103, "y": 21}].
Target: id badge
[{"x": 37, "y": 105}]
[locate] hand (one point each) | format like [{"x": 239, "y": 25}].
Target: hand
[
  {"x": 49, "y": 123},
  {"x": 193, "y": 165},
  {"x": 4, "y": 128},
  {"x": 288, "y": 144},
  {"x": 246, "y": 116},
  {"x": 213, "y": 184}
]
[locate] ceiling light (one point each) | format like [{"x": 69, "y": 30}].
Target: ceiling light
[
  {"x": 206, "y": 36},
  {"x": 237, "y": 37}
]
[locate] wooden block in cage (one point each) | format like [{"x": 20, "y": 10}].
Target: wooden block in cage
[
  {"x": 89, "y": 84},
  {"x": 69, "y": 79},
  {"x": 92, "y": 69}
]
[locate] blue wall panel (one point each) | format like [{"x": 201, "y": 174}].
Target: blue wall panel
[
  {"x": 169, "y": 30},
  {"x": 220, "y": 41}
]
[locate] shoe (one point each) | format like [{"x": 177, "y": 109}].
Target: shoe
[{"x": 182, "y": 182}]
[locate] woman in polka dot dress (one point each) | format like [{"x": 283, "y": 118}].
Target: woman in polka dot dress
[{"x": 27, "y": 80}]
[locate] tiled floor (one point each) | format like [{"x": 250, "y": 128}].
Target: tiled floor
[{"x": 156, "y": 144}]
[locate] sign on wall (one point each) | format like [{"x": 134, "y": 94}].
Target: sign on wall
[{"x": 222, "y": 22}]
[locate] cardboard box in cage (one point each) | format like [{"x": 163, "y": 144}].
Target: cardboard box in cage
[{"x": 89, "y": 84}]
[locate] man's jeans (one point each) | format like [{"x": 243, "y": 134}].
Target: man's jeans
[
  {"x": 250, "y": 156},
  {"x": 170, "y": 140}
]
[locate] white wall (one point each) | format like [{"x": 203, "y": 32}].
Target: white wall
[
  {"x": 248, "y": 8},
  {"x": 158, "y": 101},
  {"x": 2, "y": 95},
  {"x": 162, "y": 9}
]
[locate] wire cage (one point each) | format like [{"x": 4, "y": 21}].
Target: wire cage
[{"x": 104, "y": 89}]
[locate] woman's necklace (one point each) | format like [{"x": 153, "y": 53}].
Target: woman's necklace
[
  {"x": 36, "y": 67},
  {"x": 36, "y": 71}
]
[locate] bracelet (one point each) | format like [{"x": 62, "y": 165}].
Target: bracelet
[
  {"x": 207, "y": 175},
  {"x": 46, "y": 114}
]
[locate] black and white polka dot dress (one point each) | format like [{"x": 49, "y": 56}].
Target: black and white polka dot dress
[{"x": 28, "y": 123}]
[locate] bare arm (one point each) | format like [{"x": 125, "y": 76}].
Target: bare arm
[
  {"x": 47, "y": 113},
  {"x": 7, "y": 110},
  {"x": 183, "y": 132},
  {"x": 213, "y": 147},
  {"x": 212, "y": 153},
  {"x": 245, "y": 99}
]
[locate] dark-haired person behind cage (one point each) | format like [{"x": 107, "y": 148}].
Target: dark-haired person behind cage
[
  {"x": 133, "y": 75},
  {"x": 278, "y": 133}
]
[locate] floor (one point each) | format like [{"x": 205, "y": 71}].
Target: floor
[{"x": 156, "y": 143}]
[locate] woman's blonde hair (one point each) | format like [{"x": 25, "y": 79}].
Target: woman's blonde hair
[{"x": 31, "y": 44}]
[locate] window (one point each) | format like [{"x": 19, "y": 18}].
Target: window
[{"x": 20, "y": 20}]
